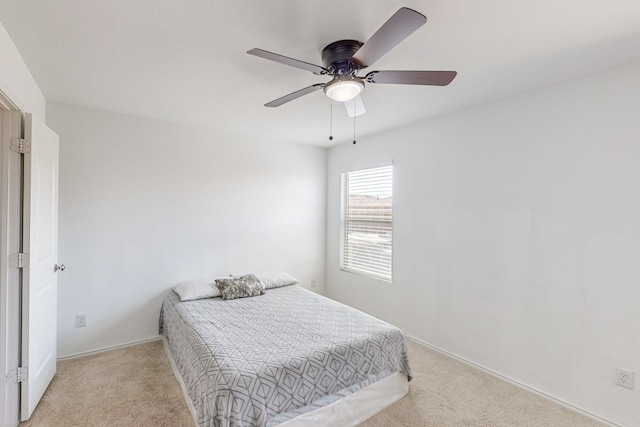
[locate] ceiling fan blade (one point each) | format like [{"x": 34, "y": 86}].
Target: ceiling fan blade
[
  {"x": 355, "y": 107},
  {"x": 297, "y": 94},
  {"x": 432, "y": 78},
  {"x": 316, "y": 69},
  {"x": 402, "y": 24}
]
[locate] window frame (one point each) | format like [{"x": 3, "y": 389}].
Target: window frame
[{"x": 344, "y": 223}]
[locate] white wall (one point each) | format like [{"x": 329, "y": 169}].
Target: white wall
[
  {"x": 16, "y": 80},
  {"x": 146, "y": 204},
  {"x": 516, "y": 238}
]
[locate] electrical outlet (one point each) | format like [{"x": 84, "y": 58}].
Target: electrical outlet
[
  {"x": 313, "y": 283},
  {"x": 624, "y": 378},
  {"x": 81, "y": 320}
]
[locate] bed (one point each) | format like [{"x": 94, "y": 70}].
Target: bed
[{"x": 289, "y": 357}]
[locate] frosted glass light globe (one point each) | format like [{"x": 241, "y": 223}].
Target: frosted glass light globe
[{"x": 342, "y": 90}]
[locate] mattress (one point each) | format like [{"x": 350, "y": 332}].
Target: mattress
[{"x": 263, "y": 360}]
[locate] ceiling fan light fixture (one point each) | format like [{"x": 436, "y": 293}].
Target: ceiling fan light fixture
[{"x": 344, "y": 88}]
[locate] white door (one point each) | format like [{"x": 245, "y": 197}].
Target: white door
[
  {"x": 10, "y": 238},
  {"x": 40, "y": 242}
]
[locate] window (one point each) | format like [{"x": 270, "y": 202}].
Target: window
[{"x": 367, "y": 222}]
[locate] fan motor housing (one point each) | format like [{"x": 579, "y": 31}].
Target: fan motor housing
[{"x": 336, "y": 57}]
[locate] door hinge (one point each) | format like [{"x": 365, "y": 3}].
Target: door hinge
[
  {"x": 19, "y": 260},
  {"x": 18, "y": 375},
  {"x": 21, "y": 145}
]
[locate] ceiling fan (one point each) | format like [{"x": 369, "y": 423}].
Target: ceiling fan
[{"x": 343, "y": 60}]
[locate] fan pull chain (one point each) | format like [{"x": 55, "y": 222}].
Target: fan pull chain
[
  {"x": 354, "y": 121},
  {"x": 331, "y": 121}
]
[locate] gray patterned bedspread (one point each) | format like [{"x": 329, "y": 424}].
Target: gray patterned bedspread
[{"x": 252, "y": 361}]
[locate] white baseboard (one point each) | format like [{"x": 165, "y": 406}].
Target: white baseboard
[
  {"x": 103, "y": 349},
  {"x": 516, "y": 383}
]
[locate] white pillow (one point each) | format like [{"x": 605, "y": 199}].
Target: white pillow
[
  {"x": 276, "y": 280},
  {"x": 196, "y": 289}
]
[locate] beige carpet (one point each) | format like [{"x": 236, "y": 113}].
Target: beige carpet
[
  {"x": 135, "y": 387},
  {"x": 132, "y": 387},
  {"x": 445, "y": 392}
]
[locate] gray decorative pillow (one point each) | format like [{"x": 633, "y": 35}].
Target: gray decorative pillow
[{"x": 240, "y": 287}]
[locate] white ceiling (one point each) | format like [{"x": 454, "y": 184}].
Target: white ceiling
[{"x": 184, "y": 60}]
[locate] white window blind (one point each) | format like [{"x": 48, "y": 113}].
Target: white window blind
[{"x": 367, "y": 222}]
